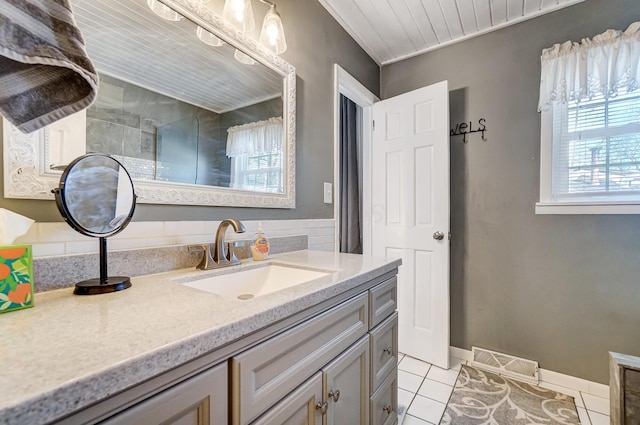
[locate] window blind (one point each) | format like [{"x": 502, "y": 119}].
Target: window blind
[{"x": 596, "y": 148}]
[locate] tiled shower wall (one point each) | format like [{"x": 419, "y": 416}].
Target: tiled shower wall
[{"x": 53, "y": 239}]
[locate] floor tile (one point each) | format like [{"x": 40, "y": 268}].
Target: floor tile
[
  {"x": 455, "y": 363},
  {"x": 405, "y": 397},
  {"x": 584, "y": 417},
  {"x": 445, "y": 376},
  {"x": 426, "y": 409},
  {"x": 598, "y": 418},
  {"x": 412, "y": 420},
  {"x": 409, "y": 381},
  {"x": 563, "y": 390},
  {"x": 597, "y": 404},
  {"x": 400, "y": 357},
  {"x": 415, "y": 366},
  {"x": 435, "y": 390}
]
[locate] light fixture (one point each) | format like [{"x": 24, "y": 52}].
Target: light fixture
[
  {"x": 207, "y": 38},
  {"x": 164, "y": 11},
  {"x": 242, "y": 58},
  {"x": 272, "y": 34},
  {"x": 239, "y": 13}
]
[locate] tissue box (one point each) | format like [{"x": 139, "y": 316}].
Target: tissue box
[{"x": 16, "y": 277}]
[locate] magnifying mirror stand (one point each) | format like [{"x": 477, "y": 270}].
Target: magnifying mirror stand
[{"x": 105, "y": 283}]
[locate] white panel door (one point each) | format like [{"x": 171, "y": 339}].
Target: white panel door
[{"x": 410, "y": 213}]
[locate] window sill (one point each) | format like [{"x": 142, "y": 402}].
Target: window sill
[{"x": 608, "y": 207}]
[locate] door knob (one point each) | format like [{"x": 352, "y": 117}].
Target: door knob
[{"x": 438, "y": 235}]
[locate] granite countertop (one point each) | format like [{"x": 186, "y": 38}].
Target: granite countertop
[{"x": 71, "y": 351}]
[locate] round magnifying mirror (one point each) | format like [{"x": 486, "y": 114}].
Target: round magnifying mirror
[{"x": 96, "y": 197}]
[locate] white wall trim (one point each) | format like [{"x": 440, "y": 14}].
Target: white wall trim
[
  {"x": 344, "y": 83},
  {"x": 54, "y": 239},
  {"x": 550, "y": 377}
]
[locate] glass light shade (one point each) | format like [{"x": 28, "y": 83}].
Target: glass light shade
[
  {"x": 207, "y": 38},
  {"x": 163, "y": 11},
  {"x": 272, "y": 34},
  {"x": 239, "y": 13},
  {"x": 242, "y": 58}
]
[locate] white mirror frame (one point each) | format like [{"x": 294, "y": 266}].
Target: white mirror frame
[{"x": 25, "y": 155}]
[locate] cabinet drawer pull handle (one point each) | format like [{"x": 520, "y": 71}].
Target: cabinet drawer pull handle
[
  {"x": 387, "y": 409},
  {"x": 322, "y": 407},
  {"x": 388, "y": 350},
  {"x": 335, "y": 394}
]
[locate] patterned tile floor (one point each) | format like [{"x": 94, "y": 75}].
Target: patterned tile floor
[{"x": 425, "y": 390}]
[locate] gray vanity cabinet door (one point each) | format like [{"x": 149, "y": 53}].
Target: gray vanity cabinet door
[
  {"x": 348, "y": 374},
  {"x": 384, "y": 402},
  {"x": 200, "y": 400},
  {"x": 302, "y": 407},
  {"x": 384, "y": 350}
]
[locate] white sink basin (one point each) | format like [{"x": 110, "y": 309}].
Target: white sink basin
[{"x": 254, "y": 282}]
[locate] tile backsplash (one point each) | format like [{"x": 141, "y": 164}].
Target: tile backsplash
[
  {"x": 63, "y": 256},
  {"x": 57, "y": 239}
]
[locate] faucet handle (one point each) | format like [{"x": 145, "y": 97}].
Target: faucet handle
[
  {"x": 198, "y": 247},
  {"x": 205, "y": 263}
]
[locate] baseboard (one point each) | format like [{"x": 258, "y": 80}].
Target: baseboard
[{"x": 594, "y": 388}]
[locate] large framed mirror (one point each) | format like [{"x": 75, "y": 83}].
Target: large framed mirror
[{"x": 198, "y": 112}]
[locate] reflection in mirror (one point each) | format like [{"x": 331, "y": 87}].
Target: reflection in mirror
[
  {"x": 169, "y": 93},
  {"x": 164, "y": 80},
  {"x": 96, "y": 196},
  {"x": 157, "y": 137}
]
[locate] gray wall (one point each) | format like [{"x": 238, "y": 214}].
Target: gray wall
[
  {"x": 316, "y": 41},
  {"x": 562, "y": 290}
]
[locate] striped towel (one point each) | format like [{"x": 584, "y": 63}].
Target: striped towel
[{"x": 45, "y": 74}]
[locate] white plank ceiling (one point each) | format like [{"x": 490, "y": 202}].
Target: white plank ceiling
[{"x": 392, "y": 30}]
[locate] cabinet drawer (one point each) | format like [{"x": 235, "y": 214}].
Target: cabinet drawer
[
  {"x": 383, "y": 300},
  {"x": 299, "y": 407},
  {"x": 384, "y": 402},
  {"x": 263, "y": 375},
  {"x": 384, "y": 350},
  {"x": 201, "y": 400}
]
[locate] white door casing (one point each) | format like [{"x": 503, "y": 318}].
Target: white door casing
[{"x": 410, "y": 203}]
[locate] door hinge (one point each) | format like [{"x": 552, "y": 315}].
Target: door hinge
[{"x": 373, "y": 124}]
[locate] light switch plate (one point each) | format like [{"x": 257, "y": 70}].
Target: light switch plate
[{"x": 328, "y": 193}]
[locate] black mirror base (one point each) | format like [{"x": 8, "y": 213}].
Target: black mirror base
[{"x": 94, "y": 287}]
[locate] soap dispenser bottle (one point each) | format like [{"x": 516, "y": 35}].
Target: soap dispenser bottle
[{"x": 260, "y": 245}]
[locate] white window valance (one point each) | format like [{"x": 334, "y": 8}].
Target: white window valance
[
  {"x": 607, "y": 65},
  {"x": 261, "y": 137}
]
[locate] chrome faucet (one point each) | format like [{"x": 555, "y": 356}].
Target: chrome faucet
[{"x": 223, "y": 254}]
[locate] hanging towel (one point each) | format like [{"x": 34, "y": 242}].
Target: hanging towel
[{"x": 45, "y": 74}]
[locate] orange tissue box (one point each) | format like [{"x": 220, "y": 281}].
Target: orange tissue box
[{"x": 16, "y": 277}]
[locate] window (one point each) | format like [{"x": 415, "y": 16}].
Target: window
[{"x": 590, "y": 144}]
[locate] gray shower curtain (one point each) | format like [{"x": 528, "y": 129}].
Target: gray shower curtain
[{"x": 350, "y": 215}]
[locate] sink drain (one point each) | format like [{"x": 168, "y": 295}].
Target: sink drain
[{"x": 245, "y": 296}]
